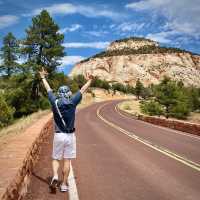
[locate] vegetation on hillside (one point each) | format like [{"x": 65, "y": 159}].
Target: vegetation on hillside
[
  {"x": 143, "y": 50},
  {"x": 171, "y": 99},
  {"x": 22, "y": 92},
  {"x": 132, "y": 39}
]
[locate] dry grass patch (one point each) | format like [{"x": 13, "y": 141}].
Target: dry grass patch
[
  {"x": 194, "y": 117},
  {"x": 131, "y": 106},
  {"x": 20, "y": 125}
]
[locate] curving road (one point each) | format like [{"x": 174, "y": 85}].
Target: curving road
[
  {"x": 120, "y": 158},
  {"x": 113, "y": 163}
]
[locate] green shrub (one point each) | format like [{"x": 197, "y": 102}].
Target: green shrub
[
  {"x": 151, "y": 108},
  {"x": 180, "y": 111},
  {"x": 6, "y": 114},
  {"x": 96, "y": 82},
  {"x": 44, "y": 103}
]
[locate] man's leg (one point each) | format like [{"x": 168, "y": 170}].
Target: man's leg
[
  {"x": 55, "y": 167},
  {"x": 57, "y": 155},
  {"x": 69, "y": 153},
  {"x": 66, "y": 170}
]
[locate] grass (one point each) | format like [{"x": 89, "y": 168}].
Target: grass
[
  {"x": 131, "y": 106},
  {"x": 126, "y": 107},
  {"x": 194, "y": 117},
  {"x": 21, "y": 124}
]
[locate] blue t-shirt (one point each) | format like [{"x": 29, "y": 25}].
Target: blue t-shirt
[{"x": 67, "y": 109}]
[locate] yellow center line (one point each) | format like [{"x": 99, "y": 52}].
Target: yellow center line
[{"x": 160, "y": 149}]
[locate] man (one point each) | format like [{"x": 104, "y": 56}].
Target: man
[{"x": 64, "y": 142}]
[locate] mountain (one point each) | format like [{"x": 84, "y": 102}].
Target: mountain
[{"x": 128, "y": 59}]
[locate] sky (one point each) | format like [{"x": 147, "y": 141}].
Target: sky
[{"x": 89, "y": 26}]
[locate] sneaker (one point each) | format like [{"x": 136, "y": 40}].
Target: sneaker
[
  {"x": 64, "y": 188},
  {"x": 53, "y": 185}
]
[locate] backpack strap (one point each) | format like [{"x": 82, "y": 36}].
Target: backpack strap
[{"x": 61, "y": 117}]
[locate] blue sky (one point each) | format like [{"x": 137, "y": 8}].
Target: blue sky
[{"x": 90, "y": 25}]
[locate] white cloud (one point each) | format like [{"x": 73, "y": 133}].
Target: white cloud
[
  {"x": 8, "y": 20},
  {"x": 88, "y": 11},
  {"x": 130, "y": 27},
  {"x": 182, "y": 15},
  {"x": 95, "y": 45},
  {"x": 97, "y": 33},
  {"x": 70, "y": 60},
  {"x": 72, "y": 28},
  {"x": 159, "y": 37},
  {"x": 147, "y": 4}
]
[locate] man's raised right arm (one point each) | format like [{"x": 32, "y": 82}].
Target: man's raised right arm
[
  {"x": 87, "y": 85},
  {"x": 46, "y": 84}
]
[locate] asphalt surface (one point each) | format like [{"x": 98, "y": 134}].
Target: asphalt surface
[{"x": 111, "y": 165}]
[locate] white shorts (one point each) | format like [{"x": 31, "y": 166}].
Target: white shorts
[{"x": 64, "y": 146}]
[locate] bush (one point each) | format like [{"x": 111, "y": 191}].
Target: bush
[
  {"x": 119, "y": 87},
  {"x": 100, "y": 83},
  {"x": 146, "y": 93},
  {"x": 180, "y": 111},
  {"x": 151, "y": 108},
  {"x": 6, "y": 114},
  {"x": 44, "y": 103}
]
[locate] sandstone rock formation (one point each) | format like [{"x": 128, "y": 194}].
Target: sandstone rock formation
[{"x": 148, "y": 67}]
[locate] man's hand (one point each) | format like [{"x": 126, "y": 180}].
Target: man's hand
[
  {"x": 43, "y": 73},
  {"x": 89, "y": 78}
]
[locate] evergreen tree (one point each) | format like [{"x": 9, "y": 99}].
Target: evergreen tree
[
  {"x": 138, "y": 88},
  {"x": 42, "y": 46},
  {"x": 172, "y": 97},
  {"x": 166, "y": 93},
  {"x": 130, "y": 89},
  {"x": 194, "y": 98},
  {"x": 9, "y": 54}
]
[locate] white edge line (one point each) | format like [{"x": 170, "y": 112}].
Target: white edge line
[
  {"x": 73, "y": 192},
  {"x": 117, "y": 109},
  {"x": 147, "y": 143}
]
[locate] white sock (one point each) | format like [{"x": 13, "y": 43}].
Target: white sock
[{"x": 55, "y": 177}]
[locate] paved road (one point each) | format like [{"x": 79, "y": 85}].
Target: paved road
[{"x": 111, "y": 165}]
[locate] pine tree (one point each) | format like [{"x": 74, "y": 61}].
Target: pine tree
[
  {"x": 42, "y": 46},
  {"x": 9, "y": 55},
  {"x": 138, "y": 88},
  {"x": 174, "y": 99}
]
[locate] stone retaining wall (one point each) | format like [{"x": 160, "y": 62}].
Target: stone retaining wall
[
  {"x": 18, "y": 184},
  {"x": 173, "y": 124}
]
